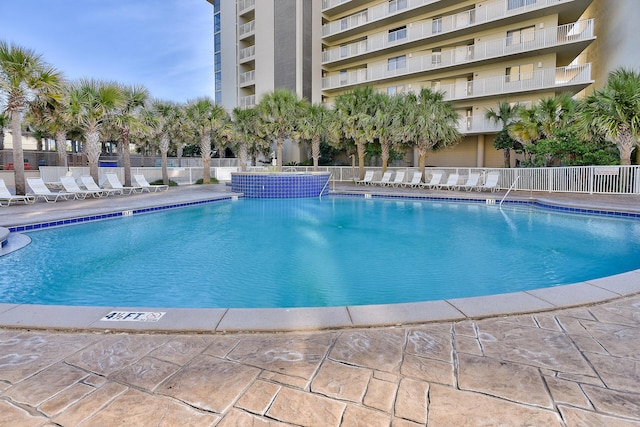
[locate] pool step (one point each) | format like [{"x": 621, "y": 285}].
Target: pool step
[{"x": 4, "y": 235}]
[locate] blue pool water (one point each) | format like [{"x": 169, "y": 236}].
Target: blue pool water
[{"x": 310, "y": 252}]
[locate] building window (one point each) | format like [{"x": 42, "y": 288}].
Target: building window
[
  {"x": 344, "y": 51},
  {"x": 344, "y": 23},
  {"x": 343, "y": 77},
  {"x": 216, "y": 6},
  {"x": 436, "y": 25},
  {"x": 216, "y": 23},
  {"x": 394, "y": 90},
  {"x": 396, "y": 63},
  {"x": 217, "y": 61},
  {"x": 519, "y": 72},
  {"x": 436, "y": 56},
  {"x": 396, "y": 5},
  {"x": 218, "y": 80},
  {"x": 515, "y": 4},
  {"x": 521, "y": 35},
  {"x": 398, "y": 34}
]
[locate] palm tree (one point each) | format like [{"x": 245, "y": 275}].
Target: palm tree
[
  {"x": 166, "y": 114},
  {"x": 354, "y": 111},
  {"x": 279, "y": 112},
  {"x": 383, "y": 122},
  {"x": 615, "y": 111},
  {"x": 206, "y": 117},
  {"x": 525, "y": 128},
  {"x": 91, "y": 105},
  {"x": 503, "y": 115},
  {"x": 316, "y": 125},
  {"x": 243, "y": 132},
  {"x": 126, "y": 119},
  {"x": 24, "y": 77},
  {"x": 430, "y": 123}
]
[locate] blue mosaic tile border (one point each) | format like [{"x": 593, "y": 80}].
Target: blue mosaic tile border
[
  {"x": 89, "y": 218},
  {"x": 536, "y": 204},
  {"x": 280, "y": 186}
]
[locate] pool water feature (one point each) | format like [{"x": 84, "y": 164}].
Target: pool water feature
[{"x": 310, "y": 252}]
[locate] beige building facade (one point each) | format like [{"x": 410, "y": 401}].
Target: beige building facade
[{"x": 477, "y": 52}]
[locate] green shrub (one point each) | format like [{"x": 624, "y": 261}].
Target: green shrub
[
  {"x": 213, "y": 181},
  {"x": 159, "y": 182}
]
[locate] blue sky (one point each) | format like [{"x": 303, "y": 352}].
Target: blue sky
[{"x": 165, "y": 45}]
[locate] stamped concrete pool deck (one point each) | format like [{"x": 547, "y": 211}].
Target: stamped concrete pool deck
[{"x": 566, "y": 356}]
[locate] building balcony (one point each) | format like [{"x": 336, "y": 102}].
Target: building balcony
[
  {"x": 477, "y": 125},
  {"x": 579, "y": 33},
  {"x": 245, "y": 6},
  {"x": 247, "y": 54},
  {"x": 380, "y": 14},
  {"x": 247, "y": 101},
  {"x": 248, "y": 78},
  {"x": 245, "y": 30},
  {"x": 571, "y": 78}
]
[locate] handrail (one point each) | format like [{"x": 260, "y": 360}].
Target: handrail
[
  {"x": 325, "y": 185},
  {"x": 508, "y": 191}
]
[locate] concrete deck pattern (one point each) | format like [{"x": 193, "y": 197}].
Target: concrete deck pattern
[{"x": 570, "y": 367}]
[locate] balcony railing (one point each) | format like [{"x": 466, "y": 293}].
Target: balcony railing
[
  {"x": 488, "y": 12},
  {"x": 247, "y": 52},
  {"x": 502, "y": 84},
  {"x": 247, "y": 28},
  {"x": 248, "y": 77},
  {"x": 541, "y": 79},
  {"x": 477, "y": 124},
  {"x": 328, "y": 4},
  {"x": 247, "y": 101},
  {"x": 549, "y": 37},
  {"x": 244, "y": 5}
]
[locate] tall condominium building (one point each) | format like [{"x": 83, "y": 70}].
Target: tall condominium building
[{"x": 477, "y": 52}]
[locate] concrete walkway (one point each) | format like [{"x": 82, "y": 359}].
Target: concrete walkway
[{"x": 575, "y": 367}]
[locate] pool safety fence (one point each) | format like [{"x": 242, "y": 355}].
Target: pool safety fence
[{"x": 573, "y": 179}]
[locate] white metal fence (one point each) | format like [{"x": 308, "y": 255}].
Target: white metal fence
[{"x": 576, "y": 179}]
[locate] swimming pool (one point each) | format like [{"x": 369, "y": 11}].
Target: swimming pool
[{"x": 310, "y": 252}]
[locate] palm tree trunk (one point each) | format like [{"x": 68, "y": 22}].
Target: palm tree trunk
[
  {"x": 164, "y": 149},
  {"x": 315, "y": 151},
  {"x": 384, "y": 146},
  {"x": 180, "y": 149},
  {"x": 93, "y": 153},
  {"x": 422, "y": 162},
  {"x": 360, "y": 147},
  {"x": 507, "y": 157},
  {"x": 205, "y": 150},
  {"x": 126, "y": 157},
  {"x": 18, "y": 154},
  {"x": 279, "y": 143},
  {"x": 61, "y": 147},
  {"x": 625, "y": 143},
  {"x": 243, "y": 156}
]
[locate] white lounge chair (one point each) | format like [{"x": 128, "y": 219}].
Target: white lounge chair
[
  {"x": 6, "y": 196},
  {"x": 368, "y": 177},
  {"x": 452, "y": 182},
  {"x": 41, "y": 191},
  {"x": 114, "y": 183},
  {"x": 90, "y": 184},
  {"x": 472, "y": 182},
  {"x": 142, "y": 182},
  {"x": 434, "y": 182},
  {"x": 398, "y": 179},
  {"x": 69, "y": 184},
  {"x": 385, "y": 180},
  {"x": 416, "y": 180},
  {"x": 491, "y": 182}
]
